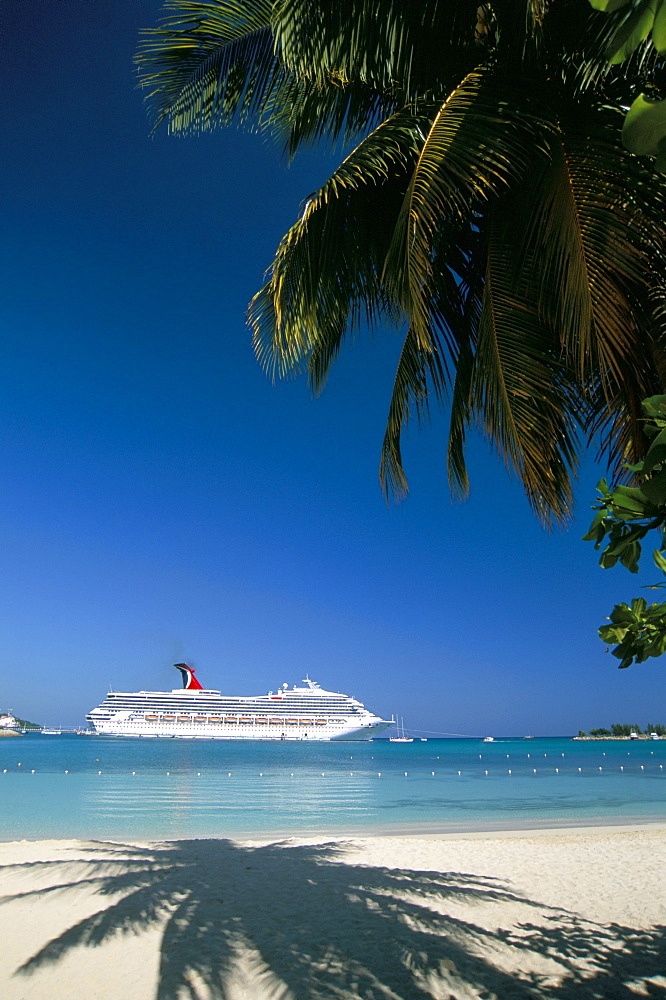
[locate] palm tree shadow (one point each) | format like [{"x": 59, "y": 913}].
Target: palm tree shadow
[{"x": 316, "y": 927}]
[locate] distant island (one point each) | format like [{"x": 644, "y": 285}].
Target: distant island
[
  {"x": 10, "y": 723},
  {"x": 624, "y": 731}
]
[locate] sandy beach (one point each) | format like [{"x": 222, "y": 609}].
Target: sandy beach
[{"x": 576, "y": 913}]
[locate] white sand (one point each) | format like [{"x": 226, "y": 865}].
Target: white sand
[{"x": 575, "y": 914}]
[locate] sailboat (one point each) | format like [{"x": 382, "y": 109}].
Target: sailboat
[{"x": 401, "y": 738}]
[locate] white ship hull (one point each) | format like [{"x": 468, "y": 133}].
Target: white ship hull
[
  {"x": 251, "y": 732},
  {"x": 297, "y": 714}
]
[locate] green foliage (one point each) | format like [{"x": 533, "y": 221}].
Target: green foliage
[
  {"x": 639, "y": 18},
  {"x": 656, "y": 727},
  {"x": 625, "y": 515},
  {"x": 600, "y": 732},
  {"x": 581, "y": 733},
  {"x": 485, "y": 208},
  {"x": 623, "y": 729},
  {"x": 644, "y": 130}
]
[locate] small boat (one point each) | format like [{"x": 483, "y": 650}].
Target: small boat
[
  {"x": 401, "y": 738},
  {"x": 488, "y": 739}
]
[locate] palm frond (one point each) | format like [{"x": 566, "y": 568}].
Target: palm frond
[
  {"x": 481, "y": 143},
  {"x": 209, "y": 63},
  {"x": 326, "y": 275},
  {"x": 387, "y": 44},
  {"x": 520, "y": 389}
]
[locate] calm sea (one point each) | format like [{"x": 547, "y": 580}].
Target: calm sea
[{"x": 97, "y": 787}]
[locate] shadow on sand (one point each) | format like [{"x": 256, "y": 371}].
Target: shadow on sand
[{"x": 314, "y": 927}]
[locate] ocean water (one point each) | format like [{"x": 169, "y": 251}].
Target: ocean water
[{"x": 99, "y": 787}]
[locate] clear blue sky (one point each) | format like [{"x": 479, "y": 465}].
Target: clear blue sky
[{"x": 162, "y": 500}]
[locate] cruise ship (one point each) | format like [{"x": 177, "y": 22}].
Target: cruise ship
[{"x": 194, "y": 712}]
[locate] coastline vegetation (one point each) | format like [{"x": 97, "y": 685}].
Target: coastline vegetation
[{"x": 623, "y": 730}]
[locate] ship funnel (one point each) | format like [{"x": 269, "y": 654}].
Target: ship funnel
[{"x": 190, "y": 683}]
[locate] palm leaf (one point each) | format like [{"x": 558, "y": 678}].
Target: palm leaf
[
  {"x": 326, "y": 276},
  {"x": 480, "y": 144},
  {"x": 209, "y": 63},
  {"x": 520, "y": 389}
]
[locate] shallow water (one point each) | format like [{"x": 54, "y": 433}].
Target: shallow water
[{"x": 159, "y": 789}]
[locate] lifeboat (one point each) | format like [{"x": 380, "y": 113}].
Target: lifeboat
[
  {"x": 168, "y": 718},
  {"x": 231, "y": 719},
  {"x": 215, "y": 719},
  {"x": 199, "y": 718},
  {"x": 307, "y": 722},
  {"x": 151, "y": 718},
  {"x": 244, "y": 720},
  {"x": 320, "y": 722},
  {"x": 291, "y": 722},
  {"x": 184, "y": 718},
  {"x": 276, "y": 722},
  {"x": 261, "y": 722}
]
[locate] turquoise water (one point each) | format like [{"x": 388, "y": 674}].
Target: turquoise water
[{"x": 161, "y": 789}]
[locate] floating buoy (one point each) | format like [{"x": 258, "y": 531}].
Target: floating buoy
[
  {"x": 99, "y": 772},
  {"x": 509, "y": 772},
  {"x": 379, "y": 774},
  {"x": 229, "y": 774},
  {"x": 580, "y": 769},
  {"x": 198, "y": 774},
  {"x": 485, "y": 772},
  {"x": 557, "y": 770},
  {"x": 133, "y": 772},
  {"x": 534, "y": 770},
  {"x": 621, "y": 767},
  {"x": 66, "y": 772},
  {"x": 405, "y": 774},
  {"x": 433, "y": 773},
  {"x": 459, "y": 772}
]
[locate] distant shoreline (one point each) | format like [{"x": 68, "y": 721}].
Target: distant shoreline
[{"x": 630, "y": 739}]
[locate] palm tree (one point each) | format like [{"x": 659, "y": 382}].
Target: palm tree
[{"x": 484, "y": 207}]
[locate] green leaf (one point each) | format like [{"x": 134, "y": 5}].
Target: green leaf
[
  {"x": 631, "y": 32},
  {"x": 655, "y": 406},
  {"x": 656, "y": 452},
  {"x": 655, "y": 488},
  {"x": 629, "y": 498},
  {"x": 644, "y": 127},
  {"x": 608, "y": 5},
  {"x": 659, "y": 560},
  {"x": 659, "y": 30}
]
